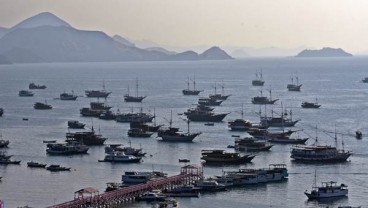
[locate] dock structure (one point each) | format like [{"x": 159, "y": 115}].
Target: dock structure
[{"x": 90, "y": 197}]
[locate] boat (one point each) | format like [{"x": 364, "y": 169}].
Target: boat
[
  {"x": 138, "y": 152},
  {"x": 240, "y": 125},
  {"x": 33, "y": 86},
  {"x": 68, "y": 96},
  {"x": 262, "y": 100},
  {"x": 112, "y": 186},
  {"x": 327, "y": 190},
  {"x": 25, "y": 93},
  {"x": 279, "y": 121},
  {"x": 209, "y": 186},
  {"x": 107, "y": 115},
  {"x": 57, "y": 168},
  {"x": 35, "y": 165},
  {"x": 182, "y": 191},
  {"x": 151, "y": 197},
  {"x": 365, "y": 80},
  {"x": 287, "y": 140},
  {"x": 209, "y": 124},
  {"x": 7, "y": 161},
  {"x": 1, "y": 112},
  {"x": 88, "y": 138},
  {"x": 137, "y": 132},
  {"x": 73, "y": 124},
  {"x": 120, "y": 157},
  {"x": 95, "y": 109},
  {"x": 310, "y": 105},
  {"x": 42, "y": 106},
  {"x": 204, "y": 116},
  {"x": 250, "y": 144},
  {"x": 184, "y": 160},
  {"x": 294, "y": 86},
  {"x": 130, "y": 98},
  {"x": 98, "y": 93},
  {"x": 275, "y": 172},
  {"x": 139, "y": 117},
  {"x": 144, "y": 126},
  {"x": 221, "y": 156},
  {"x": 174, "y": 135},
  {"x": 69, "y": 148},
  {"x": 221, "y": 97},
  {"x": 188, "y": 91},
  {"x": 49, "y": 141},
  {"x": 259, "y": 80},
  {"x": 319, "y": 154},
  {"x": 358, "y": 134},
  {"x": 134, "y": 177}
]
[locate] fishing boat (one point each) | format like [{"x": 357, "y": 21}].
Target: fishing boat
[
  {"x": 294, "y": 86},
  {"x": 69, "y": 148},
  {"x": 182, "y": 191},
  {"x": 262, "y": 100},
  {"x": 221, "y": 156},
  {"x": 137, "y": 132},
  {"x": 68, "y": 96},
  {"x": 259, "y": 80},
  {"x": 98, "y": 93},
  {"x": 25, "y": 93},
  {"x": 73, "y": 124},
  {"x": 57, "y": 168},
  {"x": 88, "y": 138},
  {"x": 311, "y": 105},
  {"x": 42, "y": 106},
  {"x": 33, "y": 86},
  {"x": 188, "y": 91},
  {"x": 209, "y": 186},
  {"x": 35, "y": 165},
  {"x": 250, "y": 144},
  {"x": 327, "y": 190},
  {"x": 136, "y": 98}
]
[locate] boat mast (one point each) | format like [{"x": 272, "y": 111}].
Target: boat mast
[
  {"x": 261, "y": 75},
  {"x": 270, "y": 94},
  {"x": 194, "y": 83},
  {"x": 154, "y": 116},
  {"x": 187, "y": 83},
  {"x": 242, "y": 112},
  {"x": 103, "y": 85},
  {"x": 136, "y": 86},
  {"x": 215, "y": 88},
  {"x": 335, "y": 137},
  {"x": 223, "y": 88},
  {"x": 128, "y": 90},
  {"x": 315, "y": 177}
]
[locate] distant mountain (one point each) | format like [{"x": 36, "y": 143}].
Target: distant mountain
[
  {"x": 214, "y": 53},
  {"x": 42, "y": 19},
  {"x": 123, "y": 41},
  {"x": 162, "y": 50},
  {"x": 4, "y": 60},
  {"x": 242, "y": 52},
  {"x": 184, "y": 56},
  {"x": 324, "y": 52}
]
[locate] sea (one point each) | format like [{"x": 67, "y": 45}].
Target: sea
[{"x": 335, "y": 82}]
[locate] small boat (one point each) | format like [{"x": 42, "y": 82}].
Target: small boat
[
  {"x": 25, "y": 119},
  {"x": 25, "y": 93},
  {"x": 133, "y": 177},
  {"x": 209, "y": 124},
  {"x": 210, "y": 186},
  {"x": 42, "y": 106},
  {"x": 189, "y": 91},
  {"x": 151, "y": 197},
  {"x": 365, "y": 80},
  {"x": 7, "y": 161},
  {"x": 250, "y": 144},
  {"x": 310, "y": 105},
  {"x": 136, "y": 132},
  {"x": 223, "y": 157},
  {"x": 120, "y": 157},
  {"x": 327, "y": 190},
  {"x": 49, "y": 141},
  {"x": 68, "y": 96},
  {"x": 33, "y": 86},
  {"x": 98, "y": 93},
  {"x": 184, "y": 160},
  {"x": 262, "y": 100},
  {"x": 182, "y": 191},
  {"x": 70, "y": 148},
  {"x": 75, "y": 124},
  {"x": 56, "y": 168},
  {"x": 358, "y": 134},
  {"x": 35, "y": 165},
  {"x": 1, "y": 112},
  {"x": 4, "y": 143},
  {"x": 209, "y": 102}
]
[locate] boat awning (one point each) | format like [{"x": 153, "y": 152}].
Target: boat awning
[{"x": 88, "y": 190}]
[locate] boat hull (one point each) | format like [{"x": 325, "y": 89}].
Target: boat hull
[{"x": 207, "y": 118}]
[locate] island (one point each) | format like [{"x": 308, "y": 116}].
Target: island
[{"x": 324, "y": 52}]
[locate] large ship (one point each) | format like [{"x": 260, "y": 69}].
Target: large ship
[
  {"x": 198, "y": 114},
  {"x": 136, "y": 98},
  {"x": 89, "y": 138},
  {"x": 70, "y": 148},
  {"x": 279, "y": 121},
  {"x": 319, "y": 154},
  {"x": 262, "y": 100},
  {"x": 98, "y": 93},
  {"x": 188, "y": 91},
  {"x": 223, "y": 157}
]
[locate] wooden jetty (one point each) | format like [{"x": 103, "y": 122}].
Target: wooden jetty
[{"x": 89, "y": 197}]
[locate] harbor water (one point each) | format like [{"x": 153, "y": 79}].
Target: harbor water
[{"x": 335, "y": 82}]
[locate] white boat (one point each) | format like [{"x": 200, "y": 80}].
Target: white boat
[
  {"x": 327, "y": 190},
  {"x": 210, "y": 185},
  {"x": 152, "y": 196},
  {"x": 120, "y": 157},
  {"x": 133, "y": 177}
]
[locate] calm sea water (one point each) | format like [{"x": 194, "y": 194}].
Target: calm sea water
[{"x": 335, "y": 82}]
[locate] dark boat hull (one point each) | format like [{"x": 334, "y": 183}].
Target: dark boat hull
[
  {"x": 133, "y": 99},
  {"x": 241, "y": 160},
  {"x": 207, "y": 118},
  {"x": 288, "y": 141},
  {"x": 191, "y": 92}
]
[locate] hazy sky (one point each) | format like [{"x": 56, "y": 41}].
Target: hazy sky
[{"x": 253, "y": 23}]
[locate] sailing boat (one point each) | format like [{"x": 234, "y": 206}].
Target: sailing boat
[
  {"x": 262, "y": 100},
  {"x": 189, "y": 91},
  {"x": 259, "y": 80},
  {"x": 136, "y": 99},
  {"x": 294, "y": 86},
  {"x": 98, "y": 93},
  {"x": 240, "y": 124},
  {"x": 219, "y": 96}
]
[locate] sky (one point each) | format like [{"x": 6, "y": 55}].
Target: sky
[{"x": 236, "y": 23}]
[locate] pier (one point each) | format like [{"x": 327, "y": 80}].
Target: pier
[{"x": 188, "y": 175}]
